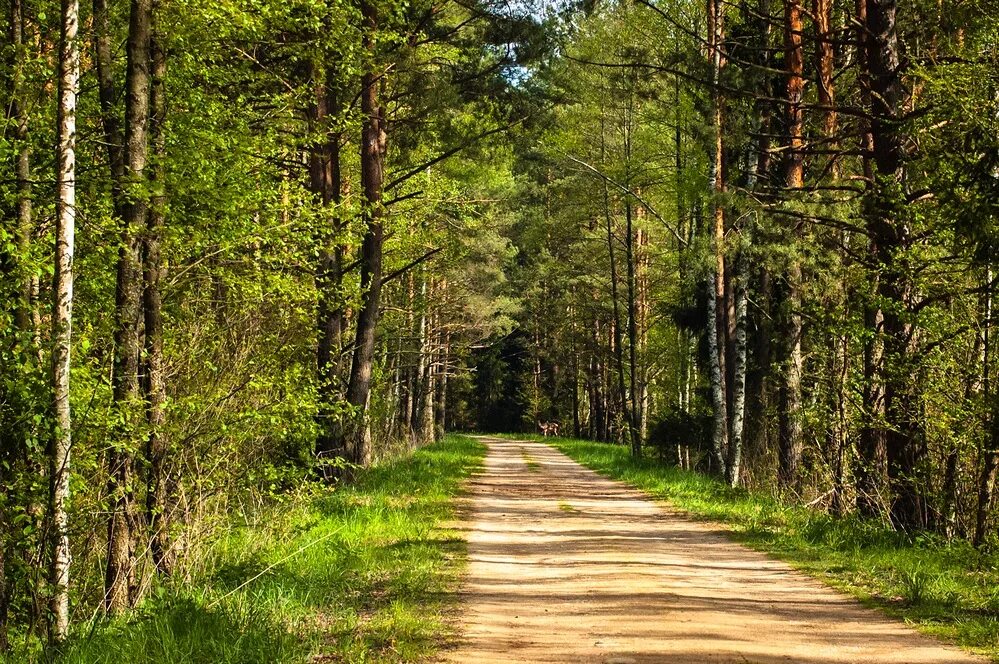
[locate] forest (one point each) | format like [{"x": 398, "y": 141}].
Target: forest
[{"x": 250, "y": 252}]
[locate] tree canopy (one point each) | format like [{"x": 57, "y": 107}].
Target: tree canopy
[{"x": 248, "y": 245}]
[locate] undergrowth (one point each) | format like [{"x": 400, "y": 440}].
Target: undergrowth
[{"x": 365, "y": 572}]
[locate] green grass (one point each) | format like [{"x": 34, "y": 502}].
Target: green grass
[
  {"x": 358, "y": 574},
  {"x": 532, "y": 465},
  {"x": 949, "y": 590}
]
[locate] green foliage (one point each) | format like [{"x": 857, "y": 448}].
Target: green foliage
[{"x": 361, "y": 572}]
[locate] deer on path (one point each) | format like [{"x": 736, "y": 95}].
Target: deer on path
[{"x": 548, "y": 428}]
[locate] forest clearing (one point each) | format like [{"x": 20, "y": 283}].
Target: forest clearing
[{"x": 267, "y": 265}]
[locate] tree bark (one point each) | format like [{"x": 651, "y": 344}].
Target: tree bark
[
  {"x": 22, "y": 176},
  {"x": 869, "y": 470},
  {"x": 598, "y": 415},
  {"x": 617, "y": 338},
  {"x": 888, "y": 228},
  {"x": 440, "y": 385},
  {"x": 790, "y": 433},
  {"x": 837, "y": 435},
  {"x": 373, "y": 145},
  {"x": 62, "y": 319},
  {"x": 154, "y": 384},
  {"x": 760, "y": 330},
  {"x": 576, "y": 420},
  {"x": 616, "y": 323},
  {"x": 113, "y": 139},
  {"x": 633, "y": 410},
  {"x": 825, "y": 73},
  {"x": 736, "y": 424},
  {"x": 326, "y": 184},
  {"x": 790, "y": 438},
  {"x": 990, "y": 453},
  {"x": 4, "y": 591},
  {"x": 407, "y": 373},
  {"x": 424, "y": 416},
  {"x": 717, "y": 309},
  {"x": 716, "y": 361},
  {"x": 987, "y": 478},
  {"x": 120, "y": 570}
]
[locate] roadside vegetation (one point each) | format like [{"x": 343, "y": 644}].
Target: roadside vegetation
[
  {"x": 947, "y": 589},
  {"x": 362, "y": 572}
]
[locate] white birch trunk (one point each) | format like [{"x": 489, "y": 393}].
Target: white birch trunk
[
  {"x": 739, "y": 374},
  {"x": 720, "y": 429},
  {"x": 62, "y": 316}
]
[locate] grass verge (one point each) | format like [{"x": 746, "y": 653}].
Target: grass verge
[
  {"x": 363, "y": 573},
  {"x": 947, "y": 589}
]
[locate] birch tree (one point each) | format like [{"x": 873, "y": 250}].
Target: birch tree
[{"x": 62, "y": 317}]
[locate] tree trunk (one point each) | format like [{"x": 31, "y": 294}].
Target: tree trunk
[
  {"x": 839, "y": 372},
  {"x": 825, "y": 70},
  {"x": 154, "y": 384},
  {"x": 440, "y": 396},
  {"x": 425, "y": 375},
  {"x": 597, "y": 414},
  {"x": 326, "y": 185},
  {"x": 22, "y": 177},
  {"x": 990, "y": 453},
  {"x": 987, "y": 479},
  {"x": 633, "y": 410},
  {"x": 790, "y": 439},
  {"x": 616, "y": 323},
  {"x": 716, "y": 361},
  {"x": 794, "y": 65},
  {"x": 888, "y": 228},
  {"x": 373, "y": 144},
  {"x": 790, "y": 433},
  {"x": 408, "y": 404},
  {"x": 119, "y": 573},
  {"x": 736, "y": 424},
  {"x": 869, "y": 470},
  {"x": 421, "y": 382},
  {"x": 617, "y": 338},
  {"x": 717, "y": 309},
  {"x": 62, "y": 319},
  {"x": 576, "y": 420},
  {"x": 4, "y": 591},
  {"x": 114, "y": 142}
]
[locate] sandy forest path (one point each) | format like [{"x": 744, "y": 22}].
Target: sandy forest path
[{"x": 568, "y": 566}]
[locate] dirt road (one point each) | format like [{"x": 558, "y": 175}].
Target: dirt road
[{"x": 567, "y": 566}]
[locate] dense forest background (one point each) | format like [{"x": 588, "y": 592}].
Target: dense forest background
[{"x": 245, "y": 245}]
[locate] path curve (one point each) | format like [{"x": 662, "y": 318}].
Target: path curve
[{"x": 568, "y": 566}]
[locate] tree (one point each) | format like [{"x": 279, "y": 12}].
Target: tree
[
  {"x": 373, "y": 148},
  {"x": 153, "y": 379},
  {"x": 119, "y": 581},
  {"x": 790, "y": 437},
  {"x": 62, "y": 316}
]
